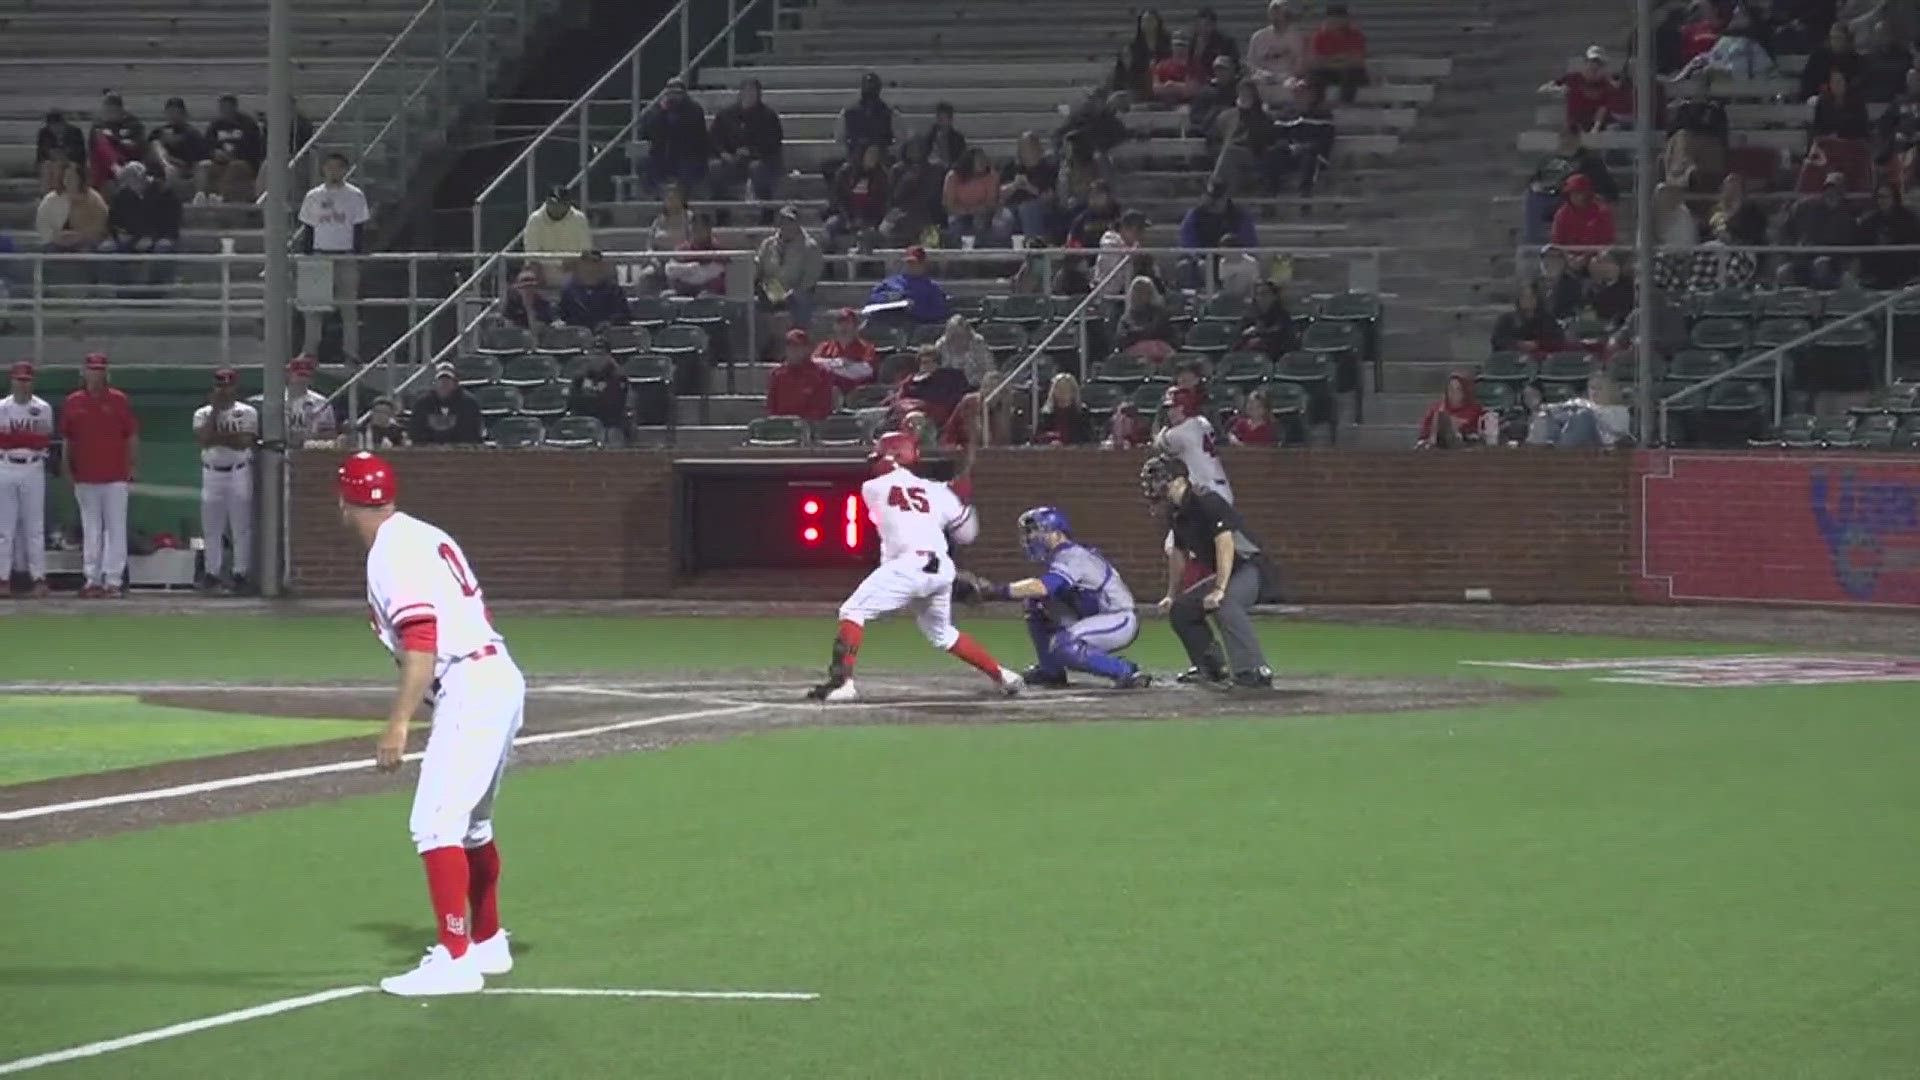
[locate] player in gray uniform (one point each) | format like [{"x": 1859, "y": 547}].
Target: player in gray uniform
[{"x": 1079, "y": 612}]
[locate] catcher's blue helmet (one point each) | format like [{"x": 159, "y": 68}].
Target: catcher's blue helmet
[{"x": 1038, "y": 520}]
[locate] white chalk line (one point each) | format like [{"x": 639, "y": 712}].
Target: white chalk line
[
  {"x": 204, "y": 786},
  {"x": 286, "y": 1005}
]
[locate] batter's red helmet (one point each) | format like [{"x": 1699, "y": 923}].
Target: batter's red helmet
[
  {"x": 366, "y": 480},
  {"x": 1186, "y": 398},
  {"x": 894, "y": 448}
]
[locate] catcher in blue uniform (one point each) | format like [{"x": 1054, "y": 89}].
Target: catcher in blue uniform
[{"x": 1079, "y": 612}]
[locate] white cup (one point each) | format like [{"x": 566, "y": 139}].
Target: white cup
[
  {"x": 966, "y": 243},
  {"x": 226, "y": 245},
  {"x": 1019, "y": 242}
]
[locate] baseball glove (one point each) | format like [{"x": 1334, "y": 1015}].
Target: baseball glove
[{"x": 971, "y": 588}]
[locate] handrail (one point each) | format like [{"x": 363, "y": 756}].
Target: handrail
[
  {"x": 366, "y": 77},
  {"x": 1096, "y": 293}
]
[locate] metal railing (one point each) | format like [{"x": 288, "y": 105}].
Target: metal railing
[{"x": 1076, "y": 317}]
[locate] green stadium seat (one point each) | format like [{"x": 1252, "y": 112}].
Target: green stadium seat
[
  {"x": 1908, "y": 437},
  {"x": 576, "y": 433},
  {"x": 1719, "y": 334},
  {"x": 839, "y": 429},
  {"x": 1129, "y": 371},
  {"x": 705, "y": 311},
  {"x": 1004, "y": 337},
  {"x": 1495, "y": 396},
  {"x": 1835, "y": 433},
  {"x": 1692, "y": 365},
  {"x": 1226, "y": 307},
  {"x": 870, "y": 396},
  {"x": 625, "y": 340},
  {"x": 1146, "y": 398},
  {"x": 1876, "y": 432},
  {"x": 885, "y": 336},
  {"x": 476, "y": 371},
  {"x": 648, "y": 368},
  {"x": 1795, "y": 430},
  {"x": 1898, "y": 399},
  {"x": 1286, "y": 399},
  {"x": 1023, "y": 310},
  {"x": 1737, "y": 397},
  {"x": 546, "y": 400},
  {"x": 651, "y": 312},
  {"x": 1349, "y": 307},
  {"x": 1773, "y": 333},
  {"x": 1848, "y": 301},
  {"x": 1224, "y": 398},
  {"x": 497, "y": 400},
  {"x": 897, "y": 365},
  {"x": 1210, "y": 338},
  {"x": 1304, "y": 369},
  {"x": 1566, "y": 369},
  {"x": 1790, "y": 304},
  {"x": 1734, "y": 304},
  {"x": 1101, "y": 398},
  {"x": 502, "y": 339},
  {"x": 1332, "y": 338},
  {"x": 776, "y": 431},
  {"x": 1588, "y": 329},
  {"x": 1244, "y": 368},
  {"x": 525, "y": 371},
  {"x": 555, "y": 340},
  {"x": 925, "y": 334},
  {"x": 1508, "y": 368},
  {"x": 516, "y": 432},
  {"x": 680, "y": 339}
]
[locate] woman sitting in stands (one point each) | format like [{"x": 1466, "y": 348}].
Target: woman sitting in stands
[
  {"x": 526, "y": 306},
  {"x": 1456, "y": 419},
  {"x": 972, "y": 198},
  {"x": 857, "y": 199},
  {"x": 1268, "y": 325},
  {"x": 964, "y": 349},
  {"x": 1063, "y": 420},
  {"x": 1092, "y": 219},
  {"x": 1128, "y": 430},
  {"x": 1255, "y": 425},
  {"x": 74, "y": 218},
  {"x": 1528, "y": 327},
  {"x": 1145, "y": 330},
  {"x": 672, "y": 227}
]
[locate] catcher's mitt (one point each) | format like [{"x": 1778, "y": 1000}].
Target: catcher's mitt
[{"x": 971, "y": 588}]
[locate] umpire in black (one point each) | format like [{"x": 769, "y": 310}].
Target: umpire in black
[{"x": 1207, "y": 529}]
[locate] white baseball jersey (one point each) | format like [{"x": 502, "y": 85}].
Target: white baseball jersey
[
  {"x": 1194, "y": 441},
  {"x": 309, "y": 417},
  {"x": 26, "y": 427},
  {"x": 416, "y": 571},
  {"x": 914, "y": 515},
  {"x": 239, "y": 419},
  {"x": 332, "y": 212}
]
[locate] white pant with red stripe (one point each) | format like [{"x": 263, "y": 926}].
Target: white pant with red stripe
[
  {"x": 23, "y": 517},
  {"x": 918, "y": 580},
  {"x": 477, "y": 711}
]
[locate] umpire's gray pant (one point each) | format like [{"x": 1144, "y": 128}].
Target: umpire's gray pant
[{"x": 1235, "y": 618}]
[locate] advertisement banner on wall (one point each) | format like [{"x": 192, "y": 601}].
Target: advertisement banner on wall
[{"x": 1834, "y": 528}]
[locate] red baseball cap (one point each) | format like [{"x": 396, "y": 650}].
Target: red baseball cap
[
  {"x": 797, "y": 336},
  {"x": 301, "y": 365},
  {"x": 846, "y": 314},
  {"x": 23, "y": 369},
  {"x": 916, "y": 253},
  {"x": 225, "y": 376},
  {"x": 366, "y": 480},
  {"x": 96, "y": 362}
]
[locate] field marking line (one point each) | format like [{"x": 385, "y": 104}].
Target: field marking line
[
  {"x": 108, "y": 1046},
  {"x": 691, "y": 995},
  {"x": 616, "y": 689},
  {"x": 249, "y": 780}
]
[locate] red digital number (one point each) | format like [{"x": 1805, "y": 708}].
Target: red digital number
[
  {"x": 458, "y": 570},
  {"x": 911, "y": 499},
  {"x": 851, "y": 534}
]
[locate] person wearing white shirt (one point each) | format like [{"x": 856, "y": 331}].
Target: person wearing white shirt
[
  {"x": 227, "y": 431},
  {"x": 1275, "y": 52},
  {"x": 335, "y": 214},
  {"x": 309, "y": 416},
  {"x": 1116, "y": 247},
  {"x": 26, "y": 430}
]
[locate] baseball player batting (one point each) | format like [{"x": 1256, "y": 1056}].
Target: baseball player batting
[
  {"x": 1079, "y": 612},
  {"x": 430, "y": 613},
  {"x": 915, "y": 518}
]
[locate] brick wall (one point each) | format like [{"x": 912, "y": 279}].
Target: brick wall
[{"x": 1349, "y": 527}]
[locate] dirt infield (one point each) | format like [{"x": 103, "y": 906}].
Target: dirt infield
[{"x": 572, "y": 719}]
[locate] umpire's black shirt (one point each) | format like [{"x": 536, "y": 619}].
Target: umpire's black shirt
[{"x": 1201, "y": 516}]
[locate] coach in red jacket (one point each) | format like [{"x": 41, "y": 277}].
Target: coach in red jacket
[
  {"x": 799, "y": 387},
  {"x": 102, "y": 440}
]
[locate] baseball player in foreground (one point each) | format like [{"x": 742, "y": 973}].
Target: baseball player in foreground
[
  {"x": 227, "y": 431},
  {"x": 430, "y": 613},
  {"x": 1079, "y": 612},
  {"x": 26, "y": 430},
  {"x": 916, "y": 518}
]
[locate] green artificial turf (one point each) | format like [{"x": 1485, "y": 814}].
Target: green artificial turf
[
  {"x": 1617, "y": 881},
  {"x": 45, "y": 736}
]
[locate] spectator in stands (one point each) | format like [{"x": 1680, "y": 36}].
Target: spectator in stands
[
  {"x": 1544, "y": 187},
  {"x": 1898, "y": 128},
  {"x": 1589, "y": 91},
  {"x": 1607, "y": 295},
  {"x": 1214, "y": 98},
  {"x": 1674, "y": 227},
  {"x": 941, "y": 145},
  {"x": 1029, "y": 193},
  {"x": 1736, "y": 220},
  {"x": 1304, "y": 137},
  {"x": 747, "y": 142},
  {"x": 914, "y": 191},
  {"x": 1838, "y": 54},
  {"x": 1277, "y": 52},
  {"x": 1072, "y": 277},
  {"x": 335, "y": 214},
  {"x": 1694, "y": 161},
  {"x": 1255, "y": 425},
  {"x": 295, "y": 140},
  {"x": 1560, "y": 288},
  {"x": 673, "y": 225},
  {"x": 868, "y": 121},
  {"x": 1242, "y": 141},
  {"x": 1819, "y": 221},
  {"x": 116, "y": 139},
  {"x": 1582, "y": 220},
  {"x": 57, "y": 144},
  {"x": 848, "y": 358},
  {"x": 1528, "y": 327},
  {"x": 1456, "y": 419},
  {"x": 174, "y": 148},
  {"x": 1064, "y": 421},
  {"x": 1145, "y": 330},
  {"x": 1700, "y": 32},
  {"x": 1093, "y": 130},
  {"x": 1116, "y": 246},
  {"x": 1337, "y": 54},
  {"x": 600, "y": 390},
  {"x": 798, "y": 386},
  {"x": 971, "y": 197},
  {"x": 857, "y": 200},
  {"x": 1128, "y": 430},
  {"x": 448, "y": 415},
  {"x": 1268, "y": 325},
  {"x": 965, "y": 350},
  {"x": 1149, "y": 46},
  {"x": 1174, "y": 77},
  {"x": 1839, "y": 113},
  {"x": 1092, "y": 218},
  {"x": 1208, "y": 43},
  {"x": 593, "y": 299},
  {"x": 1597, "y": 419},
  {"x": 527, "y": 306},
  {"x": 73, "y": 219},
  {"x": 932, "y": 387},
  {"x": 788, "y": 267},
  {"x": 926, "y": 300},
  {"x": 1889, "y": 224},
  {"x": 674, "y": 127},
  {"x": 381, "y": 430},
  {"x": 234, "y": 152},
  {"x": 1216, "y": 224},
  {"x": 1737, "y": 55},
  {"x": 557, "y": 232},
  {"x": 143, "y": 219},
  {"x": 693, "y": 274}
]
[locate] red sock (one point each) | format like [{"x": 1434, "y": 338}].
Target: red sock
[
  {"x": 973, "y": 653},
  {"x": 847, "y": 645},
  {"x": 447, "y": 885},
  {"x": 483, "y": 890}
]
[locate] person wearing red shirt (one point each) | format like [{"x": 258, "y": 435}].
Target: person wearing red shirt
[
  {"x": 1255, "y": 426},
  {"x": 849, "y": 358},
  {"x": 799, "y": 387},
  {"x": 102, "y": 439},
  {"x": 1455, "y": 419},
  {"x": 1337, "y": 55},
  {"x": 1701, "y": 33},
  {"x": 1583, "y": 221},
  {"x": 1173, "y": 81},
  {"x": 1590, "y": 92}
]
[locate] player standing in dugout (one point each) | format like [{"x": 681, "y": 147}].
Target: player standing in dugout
[{"x": 1206, "y": 529}]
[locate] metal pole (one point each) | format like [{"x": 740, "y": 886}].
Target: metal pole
[
  {"x": 226, "y": 306},
  {"x": 413, "y": 314},
  {"x": 1889, "y": 347},
  {"x": 732, "y": 14},
  {"x": 1643, "y": 207},
  {"x": 633, "y": 111},
  {"x": 686, "y": 27},
  {"x": 586, "y": 154},
  {"x": 39, "y": 311},
  {"x": 279, "y": 344}
]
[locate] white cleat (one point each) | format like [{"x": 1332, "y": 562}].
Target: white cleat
[
  {"x": 439, "y": 974},
  {"x": 1011, "y": 683},
  {"x": 843, "y": 693},
  {"x": 492, "y": 956}
]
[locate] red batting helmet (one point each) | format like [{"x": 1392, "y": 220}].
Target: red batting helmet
[
  {"x": 894, "y": 448},
  {"x": 366, "y": 480},
  {"x": 1185, "y": 398}
]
